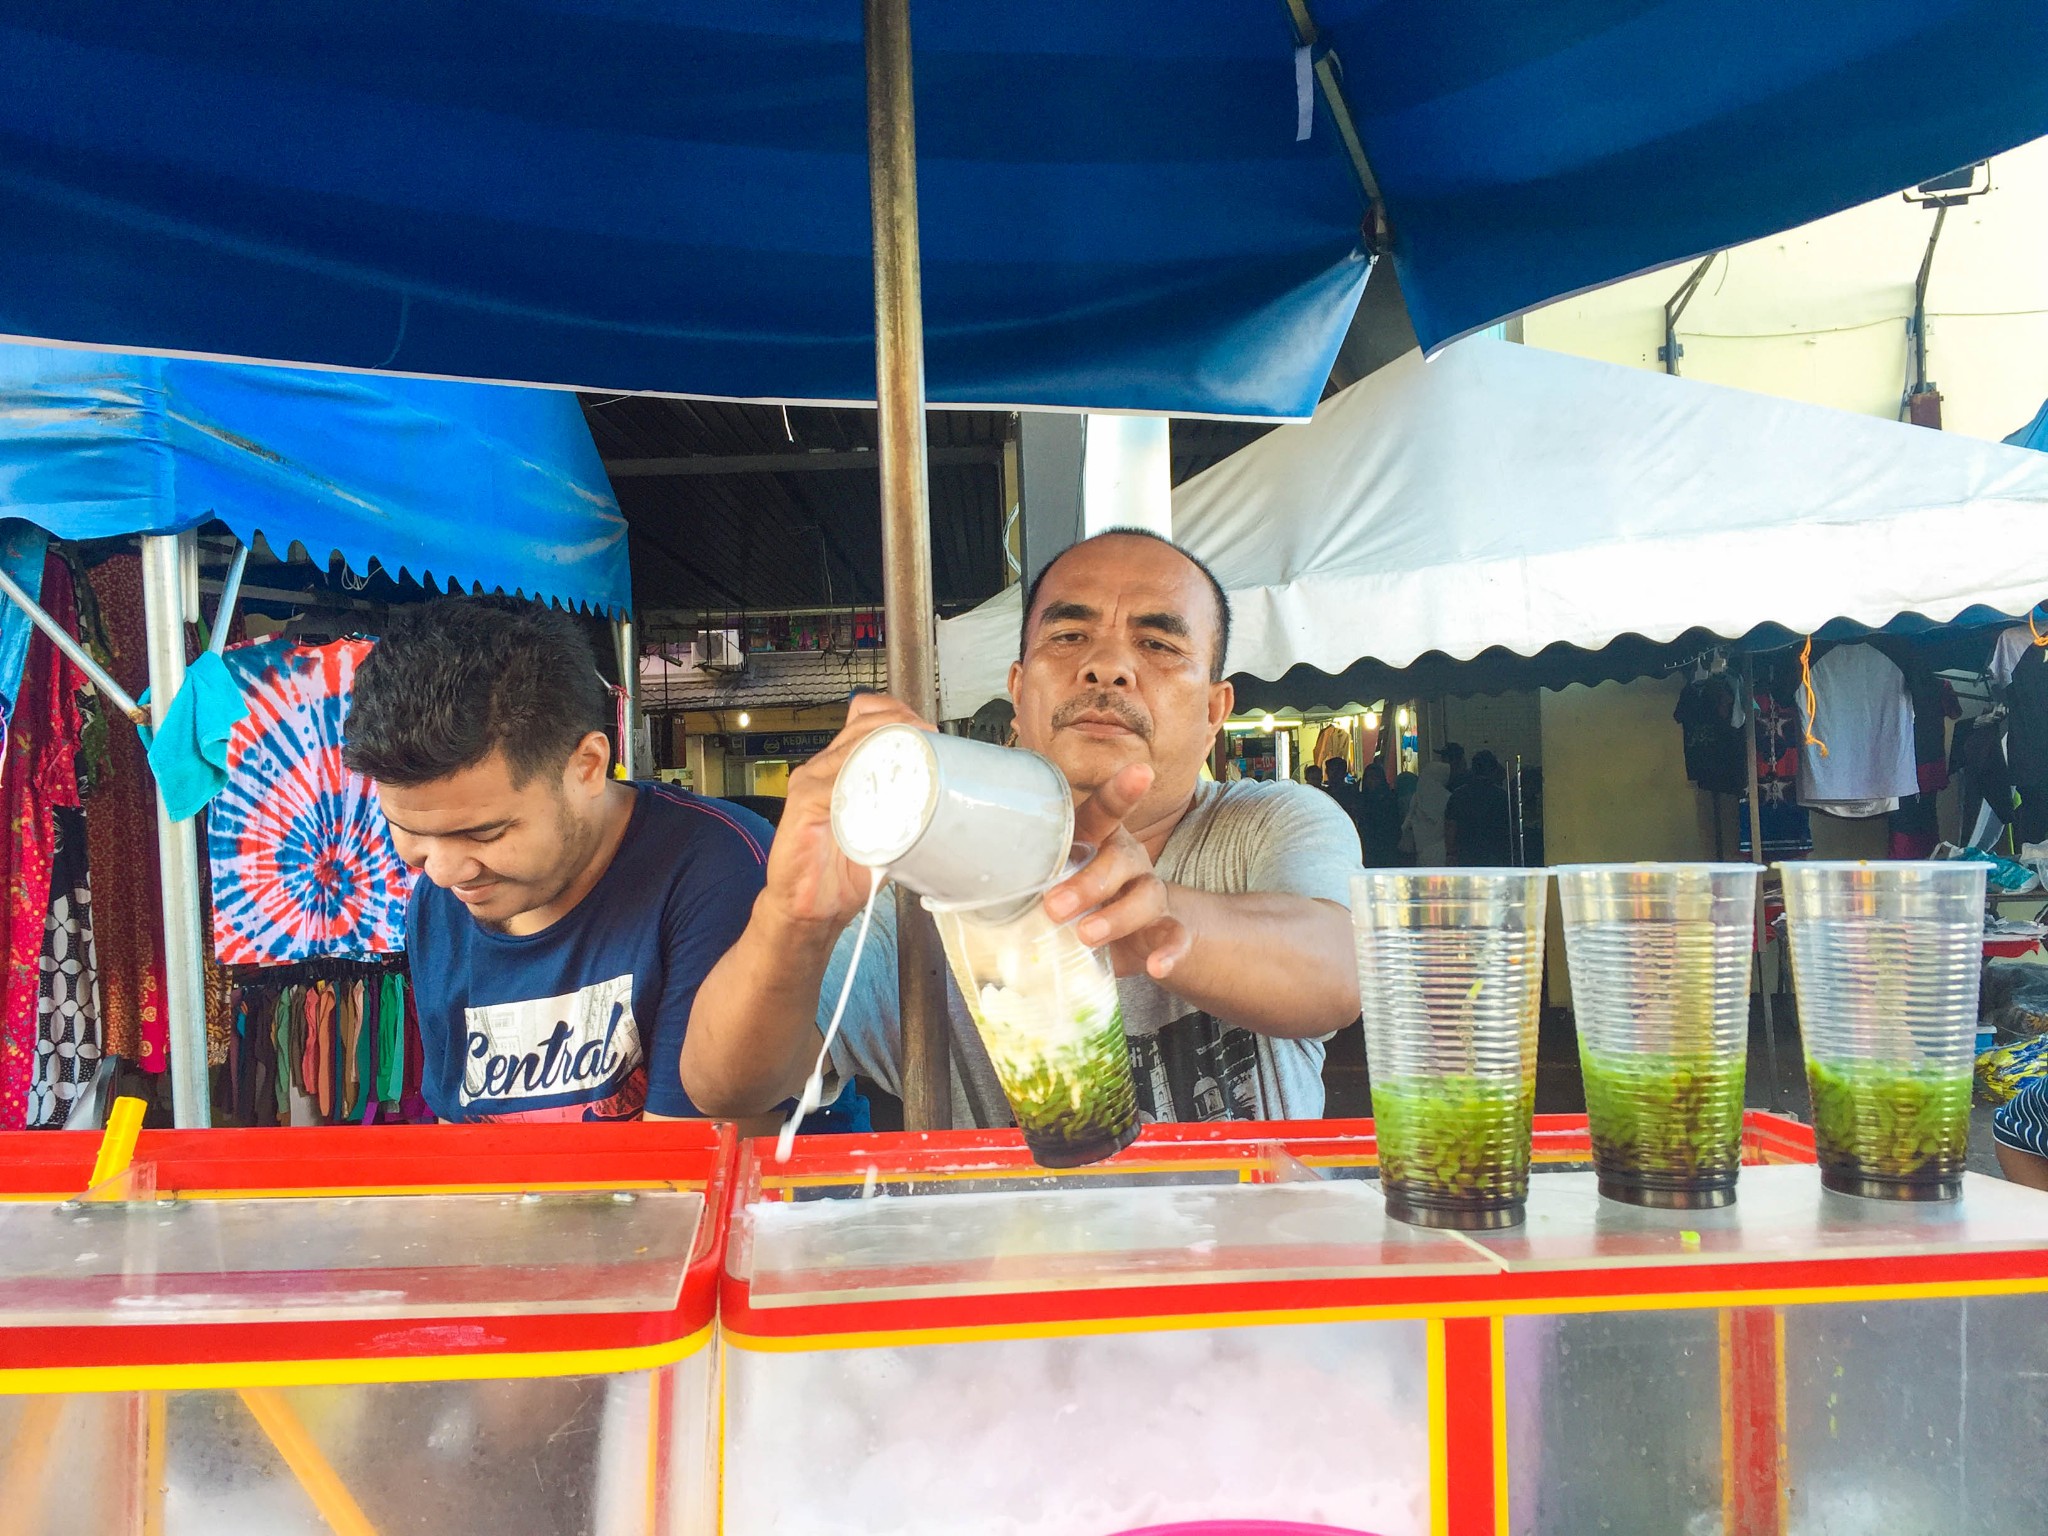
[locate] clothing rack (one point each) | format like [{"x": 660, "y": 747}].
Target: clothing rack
[{"x": 299, "y": 973}]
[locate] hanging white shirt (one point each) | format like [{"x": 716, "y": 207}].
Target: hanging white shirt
[
  {"x": 2013, "y": 645},
  {"x": 1864, "y": 714}
]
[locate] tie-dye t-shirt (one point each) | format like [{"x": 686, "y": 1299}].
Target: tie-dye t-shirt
[{"x": 303, "y": 865}]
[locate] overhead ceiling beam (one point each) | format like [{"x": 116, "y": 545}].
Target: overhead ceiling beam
[{"x": 789, "y": 463}]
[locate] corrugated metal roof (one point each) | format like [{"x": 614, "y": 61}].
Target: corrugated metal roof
[
  {"x": 759, "y": 531},
  {"x": 796, "y": 537},
  {"x": 781, "y": 678}
]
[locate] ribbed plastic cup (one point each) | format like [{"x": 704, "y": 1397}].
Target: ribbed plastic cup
[
  {"x": 1885, "y": 959},
  {"x": 1450, "y": 975},
  {"x": 1046, "y": 1007},
  {"x": 1660, "y": 989}
]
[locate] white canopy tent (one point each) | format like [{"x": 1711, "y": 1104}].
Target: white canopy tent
[{"x": 1504, "y": 496}]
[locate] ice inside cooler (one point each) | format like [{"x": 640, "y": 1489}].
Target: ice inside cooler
[
  {"x": 1140, "y": 1414},
  {"x": 1132, "y": 1419}
]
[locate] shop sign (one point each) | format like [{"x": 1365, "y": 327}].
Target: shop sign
[{"x": 793, "y": 745}]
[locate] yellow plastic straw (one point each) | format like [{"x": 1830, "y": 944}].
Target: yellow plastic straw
[{"x": 117, "y": 1142}]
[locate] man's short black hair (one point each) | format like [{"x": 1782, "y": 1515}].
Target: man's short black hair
[
  {"x": 454, "y": 680},
  {"x": 1215, "y": 589}
]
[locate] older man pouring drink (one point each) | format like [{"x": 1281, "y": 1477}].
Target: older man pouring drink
[{"x": 1223, "y": 906}]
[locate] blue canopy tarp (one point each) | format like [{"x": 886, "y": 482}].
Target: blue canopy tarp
[
  {"x": 1116, "y": 210},
  {"x": 473, "y": 484},
  {"x": 2034, "y": 434}
]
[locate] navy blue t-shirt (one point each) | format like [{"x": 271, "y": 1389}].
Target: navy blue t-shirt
[{"x": 585, "y": 1019}]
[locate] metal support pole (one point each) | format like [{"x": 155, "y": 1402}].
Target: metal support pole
[
  {"x": 1674, "y": 307},
  {"x": 78, "y": 655},
  {"x": 230, "y": 594},
  {"x": 163, "y": 609},
  {"x": 1922, "y": 404},
  {"x": 627, "y": 642},
  {"x": 906, "y": 518},
  {"x": 1756, "y": 854}
]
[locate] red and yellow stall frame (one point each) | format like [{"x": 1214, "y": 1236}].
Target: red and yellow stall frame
[{"x": 255, "y": 1359}]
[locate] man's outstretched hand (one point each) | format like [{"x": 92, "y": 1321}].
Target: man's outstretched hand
[
  {"x": 809, "y": 881},
  {"x": 1132, "y": 915}
]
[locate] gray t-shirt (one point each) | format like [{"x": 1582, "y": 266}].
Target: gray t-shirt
[{"x": 1235, "y": 839}]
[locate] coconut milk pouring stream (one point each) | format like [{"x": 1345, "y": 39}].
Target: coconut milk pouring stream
[
  {"x": 982, "y": 832},
  {"x": 959, "y": 822}
]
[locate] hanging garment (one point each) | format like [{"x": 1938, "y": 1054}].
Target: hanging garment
[
  {"x": 348, "y": 1015},
  {"x": 188, "y": 753},
  {"x": 23, "y": 551},
  {"x": 1333, "y": 741},
  {"x": 2008, "y": 650},
  {"x": 1934, "y": 706},
  {"x": 1788, "y": 832},
  {"x": 2026, "y": 732},
  {"x": 283, "y": 1048},
  {"x": 1977, "y": 758},
  {"x": 39, "y": 777},
  {"x": 120, "y": 827},
  {"x": 414, "y": 1101},
  {"x": 219, "y": 990},
  {"x": 68, "y": 1016},
  {"x": 391, "y": 1039},
  {"x": 303, "y": 865},
  {"x": 1714, "y": 747},
  {"x": 1864, "y": 716}
]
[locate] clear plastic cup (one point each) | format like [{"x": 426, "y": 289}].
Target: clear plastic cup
[
  {"x": 1660, "y": 987},
  {"x": 1885, "y": 959},
  {"x": 1450, "y": 975},
  {"x": 1047, "y": 1009}
]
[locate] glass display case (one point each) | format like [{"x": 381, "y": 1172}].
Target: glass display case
[
  {"x": 435, "y": 1329},
  {"x": 1222, "y": 1323}
]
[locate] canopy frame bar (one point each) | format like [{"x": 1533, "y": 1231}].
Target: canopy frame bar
[
  {"x": 1329, "y": 71},
  {"x": 77, "y": 654}
]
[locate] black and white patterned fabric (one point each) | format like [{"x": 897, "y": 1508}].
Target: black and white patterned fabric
[{"x": 68, "y": 1013}]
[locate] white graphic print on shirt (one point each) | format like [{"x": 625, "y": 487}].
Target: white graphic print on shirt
[{"x": 551, "y": 1045}]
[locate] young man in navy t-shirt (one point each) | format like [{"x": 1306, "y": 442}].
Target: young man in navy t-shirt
[{"x": 565, "y": 918}]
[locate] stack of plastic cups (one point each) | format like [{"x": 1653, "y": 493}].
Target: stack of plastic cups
[
  {"x": 1450, "y": 966},
  {"x": 1660, "y": 985},
  {"x": 1046, "y": 1007},
  {"x": 1886, "y": 958}
]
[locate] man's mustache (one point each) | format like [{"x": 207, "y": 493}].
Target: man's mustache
[{"x": 1118, "y": 709}]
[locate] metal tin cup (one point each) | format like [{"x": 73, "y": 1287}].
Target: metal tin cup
[
  {"x": 1660, "y": 985},
  {"x": 1885, "y": 958},
  {"x": 958, "y": 820},
  {"x": 1046, "y": 1007},
  {"x": 1450, "y": 974}
]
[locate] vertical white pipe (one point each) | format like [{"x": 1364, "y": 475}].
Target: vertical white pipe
[
  {"x": 626, "y": 640},
  {"x": 1127, "y": 475},
  {"x": 163, "y": 608}
]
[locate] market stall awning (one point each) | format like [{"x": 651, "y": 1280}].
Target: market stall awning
[
  {"x": 1500, "y": 500},
  {"x": 474, "y": 484},
  {"x": 1119, "y": 207}
]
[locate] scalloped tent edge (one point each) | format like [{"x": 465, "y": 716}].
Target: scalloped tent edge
[
  {"x": 498, "y": 487},
  {"x": 1499, "y": 499}
]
